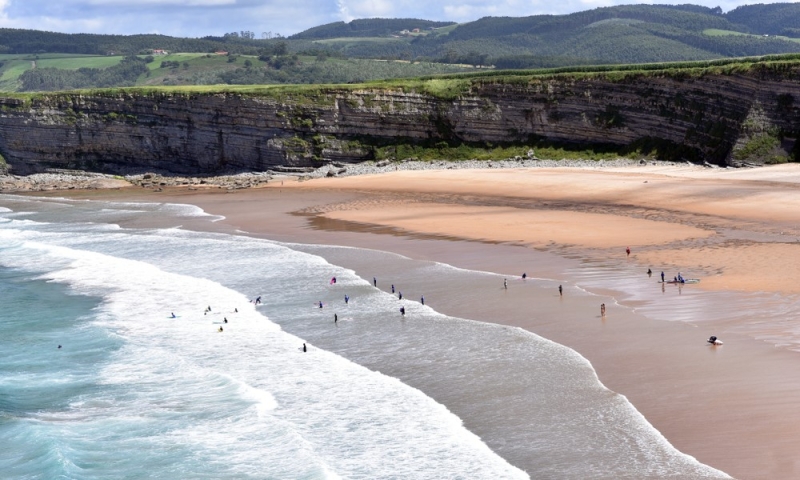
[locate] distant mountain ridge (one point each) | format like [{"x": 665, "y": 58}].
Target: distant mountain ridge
[{"x": 621, "y": 34}]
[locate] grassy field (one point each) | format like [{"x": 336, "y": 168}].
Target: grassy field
[
  {"x": 362, "y": 40},
  {"x": 714, "y": 32},
  {"x": 15, "y": 65}
]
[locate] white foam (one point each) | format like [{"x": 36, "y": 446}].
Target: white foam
[{"x": 250, "y": 381}]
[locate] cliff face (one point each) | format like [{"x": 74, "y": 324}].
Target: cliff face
[{"x": 695, "y": 117}]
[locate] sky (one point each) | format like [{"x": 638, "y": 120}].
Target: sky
[{"x": 199, "y": 18}]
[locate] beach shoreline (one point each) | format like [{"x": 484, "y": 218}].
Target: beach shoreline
[{"x": 744, "y": 389}]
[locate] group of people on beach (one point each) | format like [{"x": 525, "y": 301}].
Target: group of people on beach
[{"x": 332, "y": 281}]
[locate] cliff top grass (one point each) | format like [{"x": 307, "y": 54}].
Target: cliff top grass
[{"x": 451, "y": 86}]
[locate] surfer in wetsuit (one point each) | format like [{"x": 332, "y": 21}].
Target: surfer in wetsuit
[
  {"x": 220, "y": 329},
  {"x": 649, "y": 272},
  {"x": 402, "y": 311},
  {"x": 422, "y": 299},
  {"x": 399, "y": 295},
  {"x": 712, "y": 340},
  {"x": 225, "y": 320},
  {"x": 335, "y": 318},
  {"x": 393, "y": 288},
  {"x": 258, "y": 299},
  {"x": 560, "y": 291},
  {"x": 173, "y": 315},
  {"x": 524, "y": 276},
  {"x": 374, "y": 282},
  {"x": 304, "y": 348},
  {"x": 346, "y": 299},
  {"x": 320, "y": 304},
  {"x": 505, "y": 283},
  {"x": 628, "y": 251},
  {"x": 662, "y": 277}
]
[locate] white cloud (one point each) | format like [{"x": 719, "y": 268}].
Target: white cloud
[
  {"x": 344, "y": 12},
  {"x": 180, "y": 3},
  {"x": 197, "y": 18}
]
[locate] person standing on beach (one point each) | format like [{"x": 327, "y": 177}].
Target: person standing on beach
[
  {"x": 560, "y": 291},
  {"x": 602, "y": 309},
  {"x": 505, "y": 283}
]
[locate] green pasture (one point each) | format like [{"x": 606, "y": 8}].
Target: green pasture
[
  {"x": 715, "y": 32},
  {"x": 361, "y": 40},
  {"x": 195, "y": 63}
]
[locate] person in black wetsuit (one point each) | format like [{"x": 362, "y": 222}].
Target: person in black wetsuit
[
  {"x": 712, "y": 340},
  {"x": 304, "y": 348},
  {"x": 402, "y": 311},
  {"x": 560, "y": 291}
]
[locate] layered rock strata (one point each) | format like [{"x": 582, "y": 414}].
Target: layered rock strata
[{"x": 697, "y": 117}]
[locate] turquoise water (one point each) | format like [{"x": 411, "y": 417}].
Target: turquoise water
[{"x": 135, "y": 393}]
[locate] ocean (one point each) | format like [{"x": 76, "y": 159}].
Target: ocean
[{"x": 99, "y": 380}]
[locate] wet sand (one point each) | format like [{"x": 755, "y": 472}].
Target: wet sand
[{"x": 732, "y": 407}]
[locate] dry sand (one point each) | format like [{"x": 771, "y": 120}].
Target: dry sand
[{"x": 734, "y": 408}]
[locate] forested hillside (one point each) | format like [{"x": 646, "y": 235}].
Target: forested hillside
[{"x": 623, "y": 34}]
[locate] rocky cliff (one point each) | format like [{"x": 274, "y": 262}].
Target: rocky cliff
[{"x": 695, "y": 115}]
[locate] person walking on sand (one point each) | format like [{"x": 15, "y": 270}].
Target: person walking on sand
[
  {"x": 560, "y": 291},
  {"x": 602, "y": 309},
  {"x": 505, "y": 283}
]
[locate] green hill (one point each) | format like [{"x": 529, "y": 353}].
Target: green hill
[
  {"x": 622, "y": 34},
  {"x": 369, "y": 49}
]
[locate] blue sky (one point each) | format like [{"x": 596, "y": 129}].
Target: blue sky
[{"x": 197, "y": 18}]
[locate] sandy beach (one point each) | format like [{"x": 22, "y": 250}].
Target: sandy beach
[{"x": 732, "y": 407}]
